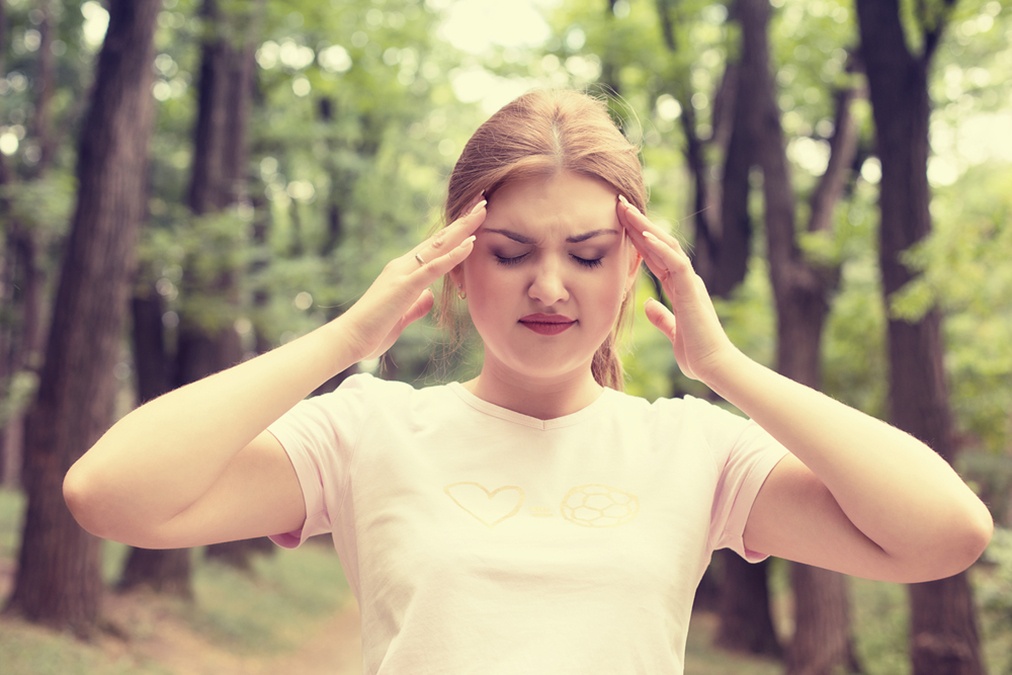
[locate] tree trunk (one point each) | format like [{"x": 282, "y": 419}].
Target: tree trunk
[
  {"x": 58, "y": 580},
  {"x": 166, "y": 571},
  {"x": 822, "y": 643},
  {"x": 22, "y": 331},
  {"x": 745, "y": 622},
  {"x": 217, "y": 183},
  {"x": 944, "y": 638},
  {"x": 720, "y": 256},
  {"x": 723, "y": 229},
  {"x": 944, "y": 635}
]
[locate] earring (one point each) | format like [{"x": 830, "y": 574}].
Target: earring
[{"x": 461, "y": 293}]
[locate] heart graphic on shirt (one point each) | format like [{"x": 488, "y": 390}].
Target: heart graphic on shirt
[{"x": 491, "y": 507}]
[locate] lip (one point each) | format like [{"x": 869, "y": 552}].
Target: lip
[{"x": 547, "y": 324}]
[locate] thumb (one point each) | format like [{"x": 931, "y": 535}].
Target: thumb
[
  {"x": 418, "y": 309},
  {"x": 661, "y": 317}
]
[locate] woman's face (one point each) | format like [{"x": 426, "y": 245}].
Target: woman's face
[{"x": 550, "y": 267}]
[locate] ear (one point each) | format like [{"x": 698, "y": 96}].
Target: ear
[
  {"x": 457, "y": 276},
  {"x": 634, "y": 267}
]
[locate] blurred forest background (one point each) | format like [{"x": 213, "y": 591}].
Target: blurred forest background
[{"x": 186, "y": 183}]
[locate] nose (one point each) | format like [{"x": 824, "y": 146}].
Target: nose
[{"x": 548, "y": 285}]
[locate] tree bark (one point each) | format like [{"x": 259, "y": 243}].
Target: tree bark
[
  {"x": 167, "y": 571},
  {"x": 22, "y": 330},
  {"x": 944, "y": 635},
  {"x": 58, "y": 580},
  {"x": 720, "y": 256},
  {"x": 723, "y": 229},
  {"x": 822, "y": 643},
  {"x": 746, "y": 624},
  {"x": 217, "y": 183}
]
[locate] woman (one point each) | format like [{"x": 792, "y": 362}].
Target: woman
[{"x": 533, "y": 519}]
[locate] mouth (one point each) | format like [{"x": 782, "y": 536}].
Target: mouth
[{"x": 547, "y": 324}]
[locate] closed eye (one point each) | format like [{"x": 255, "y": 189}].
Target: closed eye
[
  {"x": 588, "y": 262},
  {"x": 510, "y": 260}
]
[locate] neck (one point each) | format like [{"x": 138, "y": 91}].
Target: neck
[{"x": 542, "y": 399}]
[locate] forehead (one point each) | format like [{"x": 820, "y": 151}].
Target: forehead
[{"x": 563, "y": 203}]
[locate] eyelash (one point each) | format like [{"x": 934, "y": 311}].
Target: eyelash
[{"x": 589, "y": 263}]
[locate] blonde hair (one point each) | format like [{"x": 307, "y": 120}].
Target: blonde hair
[{"x": 541, "y": 133}]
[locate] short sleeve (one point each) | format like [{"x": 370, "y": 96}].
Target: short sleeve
[
  {"x": 746, "y": 455},
  {"x": 319, "y": 436}
]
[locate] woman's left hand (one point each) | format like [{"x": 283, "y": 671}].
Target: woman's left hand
[{"x": 700, "y": 344}]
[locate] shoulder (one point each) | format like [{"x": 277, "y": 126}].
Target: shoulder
[
  {"x": 684, "y": 409},
  {"x": 370, "y": 387},
  {"x": 684, "y": 420},
  {"x": 374, "y": 396}
]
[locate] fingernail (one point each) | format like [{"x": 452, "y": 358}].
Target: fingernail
[
  {"x": 479, "y": 205},
  {"x": 651, "y": 237},
  {"x": 468, "y": 240},
  {"x": 621, "y": 198}
]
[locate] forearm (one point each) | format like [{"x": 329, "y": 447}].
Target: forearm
[
  {"x": 897, "y": 491},
  {"x": 162, "y": 457}
]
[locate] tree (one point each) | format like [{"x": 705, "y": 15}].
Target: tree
[
  {"x": 208, "y": 341},
  {"x": 944, "y": 635},
  {"x": 163, "y": 571},
  {"x": 58, "y": 580},
  {"x": 722, "y": 231},
  {"x": 22, "y": 329},
  {"x": 822, "y": 642}
]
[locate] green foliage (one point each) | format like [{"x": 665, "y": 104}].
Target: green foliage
[
  {"x": 351, "y": 100},
  {"x": 963, "y": 268},
  {"x": 994, "y": 595},
  {"x": 42, "y": 205}
]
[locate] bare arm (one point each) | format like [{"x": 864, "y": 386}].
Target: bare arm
[
  {"x": 196, "y": 465},
  {"x": 855, "y": 495}
]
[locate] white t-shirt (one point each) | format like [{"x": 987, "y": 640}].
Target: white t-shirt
[{"x": 480, "y": 540}]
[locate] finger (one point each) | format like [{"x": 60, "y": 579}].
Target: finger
[
  {"x": 661, "y": 317},
  {"x": 672, "y": 267},
  {"x": 637, "y": 224},
  {"x": 419, "y": 308},
  {"x": 639, "y": 228},
  {"x": 431, "y": 270},
  {"x": 453, "y": 234},
  {"x": 664, "y": 320}
]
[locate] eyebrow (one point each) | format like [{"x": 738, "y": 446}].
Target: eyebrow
[{"x": 575, "y": 239}]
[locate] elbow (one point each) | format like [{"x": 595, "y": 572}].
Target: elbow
[
  {"x": 101, "y": 508},
  {"x": 958, "y": 547},
  {"x": 83, "y": 500},
  {"x": 95, "y": 504},
  {"x": 978, "y": 534}
]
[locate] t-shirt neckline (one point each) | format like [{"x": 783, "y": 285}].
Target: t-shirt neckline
[{"x": 493, "y": 410}]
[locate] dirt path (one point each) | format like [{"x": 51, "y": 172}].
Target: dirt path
[
  {"x": 332, "y": 647},
  {"x": 335, "y": 649},
  {"x": 149, "y": 633}
]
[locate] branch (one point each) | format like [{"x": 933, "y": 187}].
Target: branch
[
  {"x": 934, "y": 31},
  {"x": 842, "y": 149}
]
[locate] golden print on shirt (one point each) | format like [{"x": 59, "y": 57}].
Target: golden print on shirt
[
  {"x": 596, "y": 505},
  {"x": 590, "y": 505},
  {"x": 491, "y": 507}
]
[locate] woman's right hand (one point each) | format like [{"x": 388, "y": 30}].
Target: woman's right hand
[
  {"x": 400, "y": 295},
  {"x": 196, "y": 465}
]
